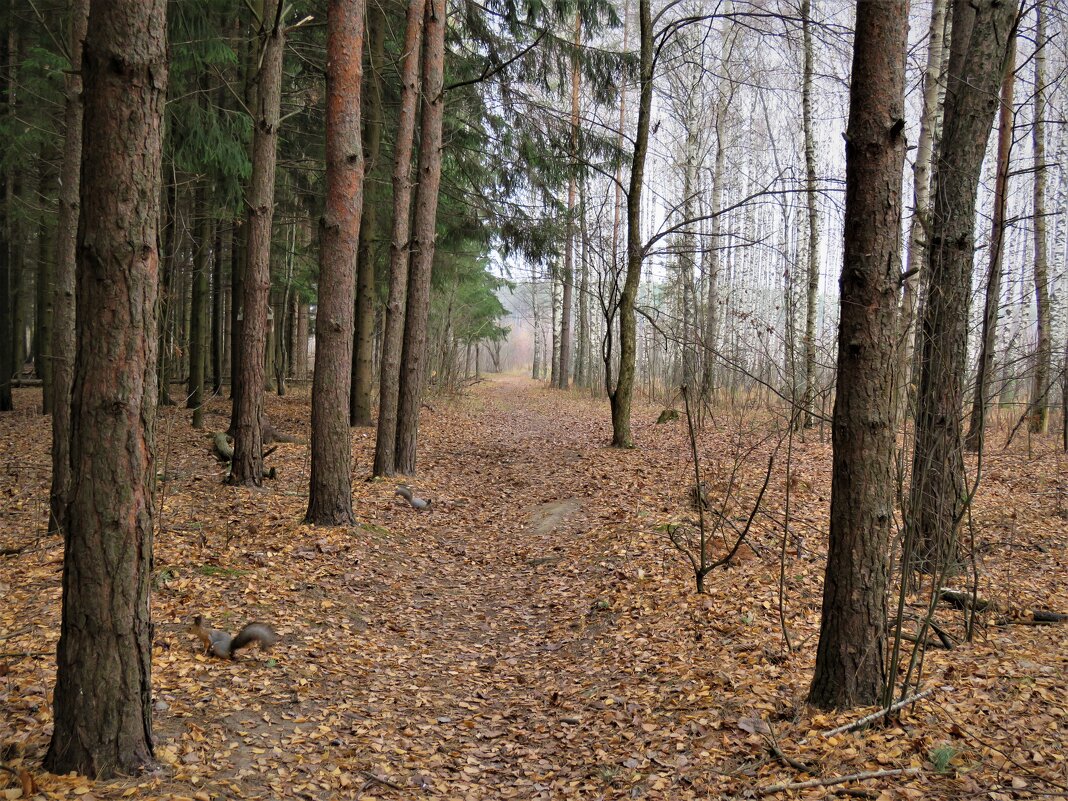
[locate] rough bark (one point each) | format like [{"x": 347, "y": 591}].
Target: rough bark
[
  {"x": 622, "y": 396},
  {"x": 364, "y": 346},
  {"x": 982, "y": 30},
  {"x": 330, "y": 492},
  {"x": 253, "y": 48},
  {"x": 102, "y": 699},
  {"x": 249, "y": 414},
  {"x": 850, "y": 668},
  {"x": 7, "y": 340},
  {"x": 392, "y": 338},
  {"x": 63, "y": 342},
  {"x": 1039, "y": 420},
  {"x": 414, "y": 353},
  {"x": 985, "y": 373}
]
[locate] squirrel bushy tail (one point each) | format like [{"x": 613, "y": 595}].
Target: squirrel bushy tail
[
  {"x": 253, "y": 632},
  {"x": 221, "y": 644},
  {"x": 416, "y": 502}
]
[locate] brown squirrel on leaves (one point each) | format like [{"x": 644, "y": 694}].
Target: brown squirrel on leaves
[{"x": 221, "y": 644}]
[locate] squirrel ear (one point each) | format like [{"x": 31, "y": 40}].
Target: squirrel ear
[{"x": 198, "y": 620}]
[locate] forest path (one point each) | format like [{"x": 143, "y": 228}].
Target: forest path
[{"x": 494, "y": 634}]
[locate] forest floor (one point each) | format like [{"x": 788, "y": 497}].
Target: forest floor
[{"x": 535, "y": 635}]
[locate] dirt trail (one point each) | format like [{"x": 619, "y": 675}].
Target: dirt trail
[{"x": 495, "y": 621}]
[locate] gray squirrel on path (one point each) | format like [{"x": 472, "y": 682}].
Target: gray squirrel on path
[
  {"x": 420, "y": 504},
  {"x": 221, "y": 644}
]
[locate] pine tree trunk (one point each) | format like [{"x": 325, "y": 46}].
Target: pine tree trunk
[
  {"x": 981, "y": 32},
  {"x": 850, "y": 658},
  {"x": 330, "y": 492},
  {"x": 169, "y": 234},
  {"x": 103, "y": 692},
  {"x": 564, "y": 375},
  {"x": 46, "y": 250},
  {"x": 63, "y": 342},
  {"x": 985, "y": 373},
  {"x": 364, "y": 347},
  {"x": 1039, "y": 422},
  {"x": 622, "y": 396},
  {"x": 25, "y": 235},
  {"x": 414, "y": 353},
  {"x": 7, "y": 333},
  {"x": 399, "y": 246},
  {"x": 248, "y": 430},
  {"x": 224, "y": 237},
  {"x": 582, "y": 362},
  {"x": 252, "y": 45},
  {"x": 300, "y": 351},
  {"x": 198, "y": 328},
  {"x": 535, "y": 370}
]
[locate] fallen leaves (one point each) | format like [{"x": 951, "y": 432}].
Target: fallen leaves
[{"x": 534, "y": 637}]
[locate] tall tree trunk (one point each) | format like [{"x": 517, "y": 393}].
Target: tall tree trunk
[
  {"x": 414, "y": 354},
  {"x": 535, "y": 370},
  {"x": 1039, "y": 422},
  {"x": 198, "y": 328},
  {"x": 252, "y": 45},
  {"x": 7, "y": 334},
  {"x": 330, "y": 492},
  {"x": 63, "y": 341},
  {"x": 300, "y": 344},
  {"x": 623, "y": 393},
  {"x": 982, "y": 30},
  {"x": 813, "y": 261},
  {"x": 921, "y": 202},
  {"x": 103, "y": 692},
  {"x": 399, "y": 246},
  {"x": 985, "y": 374},
  {"x": 364, "y": 346},
  {"x": 25, "y": 237},
  {"x": 46, "y": 246},
  {"x": 564, "y": 375},
  {"x": 712, "y": 259},
  {"x": 850, "y": 667},
  {"x": 582, "y": 362},
  {"x": 224, "y": 237},
  {"x": 248, "y": 431},
  {"x": 168, "y": 284},
  {"x": 237, "y": 293}
]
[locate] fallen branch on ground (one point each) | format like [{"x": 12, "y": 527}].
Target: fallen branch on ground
[
  {"x": 876, "y": 715},
  {"x": 853, "y": 777}
]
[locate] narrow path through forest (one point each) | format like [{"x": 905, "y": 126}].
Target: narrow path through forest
[{"x": 495, "y": 615}]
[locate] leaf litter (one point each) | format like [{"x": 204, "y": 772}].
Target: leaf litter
[{"x": 533, "y": 635}]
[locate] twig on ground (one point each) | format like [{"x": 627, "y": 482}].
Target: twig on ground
[
  {"x": 856, "y": 724},
  {"x": 853, "y": 777},
  {"x": 374, "y": 779}
]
